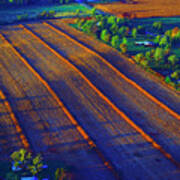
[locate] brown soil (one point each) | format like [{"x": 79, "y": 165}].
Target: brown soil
[{"x": 143, "y": 8}]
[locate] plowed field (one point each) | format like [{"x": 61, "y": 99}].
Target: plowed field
[
  {"x": 68, "y": 98},
  {"x": 143, "y": 8}
]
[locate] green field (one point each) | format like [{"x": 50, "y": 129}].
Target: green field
[{"x": 11, "y": 15}]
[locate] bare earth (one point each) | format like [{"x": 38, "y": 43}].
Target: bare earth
[{"x": 143, "y": 8}]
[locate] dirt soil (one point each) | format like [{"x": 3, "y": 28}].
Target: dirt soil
[{"x": 143, "y": 8}]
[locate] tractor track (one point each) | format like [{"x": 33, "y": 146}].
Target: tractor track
[
  {"x": 106, "y": 162},
  {"x": 116, "y": 109},
  {"x": 148, "y": 95},
  {"x": 17, "y": 125},
  {"x": 126, "y": 118}
]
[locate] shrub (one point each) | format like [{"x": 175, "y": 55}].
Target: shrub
[
  {"x": 176, "y": 75},
  {"x": 105, "y": 35},
  {"x": 36, "y": 165},
  {"x": 123, "y": 31},
  {"x": 114, "y": 29},
  {"x": 163, "y": 41},
  {"x": 157, "y": 26},
  {"x": 123, "y": 48},
  {"x": 134, "y": 32},
  {"x": 111, "y": 20},
  {"x": 93, "y": 12},
  {"x": 20, "y": 158},
  {"x": 80, "y": 23},
  {"x": 158, "y": 54},
  {"x": 51, "y": 13},
  {"x": 144, "y": 63},
  {"x": 88, "y": 25},
  {"x": 157, "y": 39},
  {"x": 149, "y": 55},
  {"x": 22, "y": 17},
  {"x": 60, "y": 174},
  {"x": 139, "y": 57},
  {"x": 173, "y": 59},
  {"x": 124, "y": 41},
  {"x": 167, "y": 79},
  {"x": 115, "y": 41}
]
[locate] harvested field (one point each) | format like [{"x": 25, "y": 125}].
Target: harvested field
[
  {"x": 143, "y": 8},
  {"x": 45, "y": 123},
  {"x": 68, "y": 100},
  {"x": 9, "y": 138}
]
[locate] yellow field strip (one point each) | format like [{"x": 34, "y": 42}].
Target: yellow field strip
[
  {"x": 155, "y": 100},
  {"x": 126, "y": 118},
  {"x": 71, "y": 118},
  {"x": 15, "y": 121}
]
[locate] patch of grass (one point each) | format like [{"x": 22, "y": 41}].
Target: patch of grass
[{"x": 33, "y": 12}]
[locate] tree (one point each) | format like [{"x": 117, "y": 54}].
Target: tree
[
  {"x": 115, "y": 41},
  {"x": 105, "y": 35},
  {"x": 139, "y": 57},
  {"x": 111, "y": 20},
  {"x": 173, "y": 59},
  {"x": 114, "y": 29},
  {"x": 93, "y": 12},
  {"x": 134, "y": 32},
  {"x": 124, "y": 41},
  {"x": 123, "y": 31},
  {"x": 159, "y": 54},
  {"x": 167, "y": 49},
  {"x": 168, "y": 33},
  {"x": 87, "y": 26},
  {"x": 176, "y": 75},
  {"x": 123, "y": 48},
  {"x": 157, "y": 26},
  {"x": 144, "y": 63},
  {"x": 175, "y": 31},
  {"x": 157, "y": 39},
  {"x": 163, "y": 41},
  {"x": 149, "y": 55},
  {"x": 80, "y": 23},
  {"x": 167, "y": 79}
]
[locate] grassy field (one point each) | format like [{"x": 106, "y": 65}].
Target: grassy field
[{"x": 31, "y": 12}]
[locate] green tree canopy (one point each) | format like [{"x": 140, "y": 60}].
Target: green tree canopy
[
  {"x": 105, "y": 35},
  {"x": 123, "y": 48},
  {"x": 115, "y": 41},
  {"x": 173, "y": 59},
  {"x": 159, "y": 54},
  {"x": 157, "y": 25},
  {"x": 139, "y": 57},
  {"x": 111, "y": 20},
  {"x": 134, "y": 32},
  {"x": 163, "y": 41}
]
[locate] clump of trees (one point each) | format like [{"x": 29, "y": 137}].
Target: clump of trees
[
  {"x": 110, "y": 29},
  {"x": 116, "y": 32}
]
